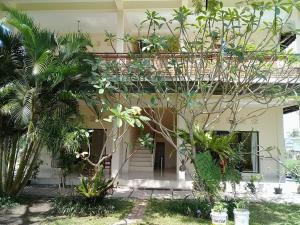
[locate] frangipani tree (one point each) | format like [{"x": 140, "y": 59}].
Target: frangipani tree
[{"x": 226, "y": 60}]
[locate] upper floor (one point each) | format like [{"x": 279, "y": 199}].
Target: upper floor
[{"x": 119, "y": 17}]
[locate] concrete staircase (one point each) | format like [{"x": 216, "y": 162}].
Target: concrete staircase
[{"x": 142, "y": 160}]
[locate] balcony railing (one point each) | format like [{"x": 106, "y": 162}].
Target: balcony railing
[{"x": 195, "y": 64}]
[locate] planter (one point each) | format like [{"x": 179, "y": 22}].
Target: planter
[
  {"x": 298, "y": 189},
  {"x": 278, "y": 191},
  {"x": 241, "y": 216},
  {"x": 181, "y": 175},
  {"x": 219, "y": 218}
]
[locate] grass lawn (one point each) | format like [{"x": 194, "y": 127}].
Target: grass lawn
[
  {"x": 89, "y": 220},
  {"x": 71, "y": 211},
  {"x": 158, "y": 213}
]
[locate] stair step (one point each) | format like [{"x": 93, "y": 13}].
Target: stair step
[
  {"x": 140, "y": 164},
  {"x": 139, "y": 155},
  {"x": 143, "y": 169},
  {"x": 140, "y": 159},
  {"x": 144, "y": 151}
]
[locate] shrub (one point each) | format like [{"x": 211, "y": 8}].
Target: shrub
[
  {"x": 95, "y": 187},
  {"x": 219, "y": 207},
  {"x": 7, "y": 202},
  {"x": 79, "y": 206},
  {"x": 293, "y": 166},
  {"x": 188, "y": 207}
]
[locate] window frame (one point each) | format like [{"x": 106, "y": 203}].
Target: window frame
[{"x": 224, "y": 132}]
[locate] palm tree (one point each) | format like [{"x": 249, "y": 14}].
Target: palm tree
[{"x": 43, "y": 77}]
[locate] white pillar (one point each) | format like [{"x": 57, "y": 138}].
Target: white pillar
[
  {"x": 120, "y": 32},
  {"x": 280, "y": 144},
  {"x": 296, "y": 16},
  {"x": 116, "y": 151}
]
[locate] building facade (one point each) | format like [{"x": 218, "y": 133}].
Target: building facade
[{"x": 160, "y": 167}]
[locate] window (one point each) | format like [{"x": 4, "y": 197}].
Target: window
[
  {"x": 286, "y": 39},
  {"x": 249, "y": 149}
]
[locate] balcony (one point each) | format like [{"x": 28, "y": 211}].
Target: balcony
[{"x": 208, "y": 66}]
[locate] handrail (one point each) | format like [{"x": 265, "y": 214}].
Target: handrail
[{"x": 208, "y": 55}]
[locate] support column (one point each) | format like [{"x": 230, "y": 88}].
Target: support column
[
  {"x": 120, "y": 32},
  {"x": 179, "y": 142},
  {"x": 296, "y": 16},
  {"x": 280, "y": 144},
  {"x": 116, "y": 151}
]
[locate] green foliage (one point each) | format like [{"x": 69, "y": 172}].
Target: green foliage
[
  {"x": 219, "y": 207},
  {"x": 146, "y": 141},
  {"x": 208, "y": 141},
  {"x": 216, "y": 160},
  {"x": 207, "y": 174},
  {"x": 187, "y": 207},
  {"x": 251, "y": 184},
  {"x": 7, "y": 202},
  {"x": 132, "y": 116},
  {"x": 242, "y": 204},
  {"x": 160, "y": 212},
  {"x": 85, "y": 207},
  {"x": 44, "y": 77},
  {"x": 293, "y": 166},
  {"x": 95, "y": 187},
  {"x": 36, "y": 169}
]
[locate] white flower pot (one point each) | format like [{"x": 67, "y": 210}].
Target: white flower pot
[
  {"x": 219, "y": 218},
  {"x": 241, "y": 216},
  {"x": 181, "y": 175}
]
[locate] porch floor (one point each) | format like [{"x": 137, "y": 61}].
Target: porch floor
[
  {"x": 166, "y": 179},
  {"x": 167, "y": 174}
]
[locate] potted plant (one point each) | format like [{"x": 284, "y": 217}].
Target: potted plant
[
  {"x": 293, "y": 167},
  {"x": 241, "y": 213},
  {"x": 182, "y": 169},
  {"x": 219, "y": 214},
  {"x": 253, "y": 184},
  {"x": 278, "y": 190}
]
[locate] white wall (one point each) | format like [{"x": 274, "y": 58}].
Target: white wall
[{"x": 270, "y": 128}]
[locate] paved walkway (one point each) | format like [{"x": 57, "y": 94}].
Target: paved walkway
[
  {"x": 265, "y": 193},
  {"x": 136, "y": 215},
  {"x": 33, "y": 213}
]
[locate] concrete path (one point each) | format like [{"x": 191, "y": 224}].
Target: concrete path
[
  {"x": 265, "y": 192},
  {"x": 136, "y": 215},
  {"x": 32, "y": 213}
]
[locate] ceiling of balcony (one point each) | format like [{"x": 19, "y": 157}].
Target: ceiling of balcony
[{"x": 96, "y": 16}]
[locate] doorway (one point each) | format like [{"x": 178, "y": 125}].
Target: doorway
[{"x": 159, "y": 163}]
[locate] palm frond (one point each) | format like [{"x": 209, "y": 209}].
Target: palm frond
[
  {"x": 35, "y": 40},
  {"x": 73, "y": 44}
]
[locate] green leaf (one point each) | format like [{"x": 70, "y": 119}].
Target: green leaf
[
  {"x": 109, "y": 119},
  {"x": 144, "y": 118},
  {"x": 138, "y": 123},
  {"x": 119, "y": 108},
  {"x": 119, "y": 122}
]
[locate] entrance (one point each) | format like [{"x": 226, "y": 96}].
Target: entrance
[{"x": 159, "y": 163}]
